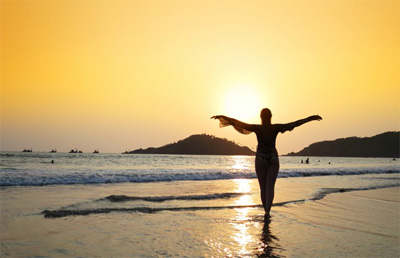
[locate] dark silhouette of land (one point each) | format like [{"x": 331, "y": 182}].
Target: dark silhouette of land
[
  {"x": 198, "y": 144},
  {"x": 381, "y": 145}
]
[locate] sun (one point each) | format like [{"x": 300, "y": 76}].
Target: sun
[{"x": 242, "y": 102}]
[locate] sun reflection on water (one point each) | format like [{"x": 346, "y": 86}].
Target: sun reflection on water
[
  {"x": 243, "y": 186},
  {"x": 247, "y": 235},
  {"x": 242, "y": 220},
  {"x": 247, "y": 227},
  {"x": 241, "y": 162}
]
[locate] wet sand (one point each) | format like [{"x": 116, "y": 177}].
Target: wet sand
[
  {"x": 312, "y": 217},
  {"x": 350, "y": 224}
]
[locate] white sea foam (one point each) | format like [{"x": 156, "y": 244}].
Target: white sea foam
[{"x": 35, "y": 169}]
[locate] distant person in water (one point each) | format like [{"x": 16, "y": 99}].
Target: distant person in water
[{"x": 267, "y": 161}]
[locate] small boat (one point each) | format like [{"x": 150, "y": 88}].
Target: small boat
[
  {"x": 96, "y": 151},
  {"x": 27, "y": 150},
  {"x": 73, "y": 151},
  {"x": 53, "y": 151}
]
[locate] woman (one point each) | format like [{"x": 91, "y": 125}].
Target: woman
[{"x": 267, "y": 161}]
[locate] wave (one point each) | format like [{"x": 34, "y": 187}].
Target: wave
[
  {"x": 73, "y": 210},
  {"x": 70, "y": 211},
  {"x": 325, "y": 191},
  {"x": 124, "y": 198},
  {"x": 13, "y": 177},
  {"x": 337, "y": 173},
  {"x": 65, "y": 213}
]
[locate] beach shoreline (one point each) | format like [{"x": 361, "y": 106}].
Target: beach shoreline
[
  {"x": 332, "y": 226},
  {"x": 350, "y": 224}
]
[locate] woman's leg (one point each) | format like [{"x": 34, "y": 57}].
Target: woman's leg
[
  {"x": 261, "y": 171},
  {"x": 271, "y": 175}
]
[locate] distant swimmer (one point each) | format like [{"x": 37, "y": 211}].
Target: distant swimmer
[
  {"x": 267, "y": 161},
  {"x": 52, "y": 161},
  {"x": 307, "y": 161}
]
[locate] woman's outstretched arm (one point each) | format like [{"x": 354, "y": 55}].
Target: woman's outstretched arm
[
  {"x": 238, "y": 125},
  {"x": 292, "y": 125}
]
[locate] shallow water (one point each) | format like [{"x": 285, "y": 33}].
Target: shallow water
[
  {"x": 313, "y": 215},
  {"x": 210, "y": 232}
]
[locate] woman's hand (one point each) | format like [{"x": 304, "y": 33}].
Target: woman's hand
[{"x": 316, "y": 117}]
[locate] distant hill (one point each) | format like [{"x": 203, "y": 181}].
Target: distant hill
[
  {"x": 199, "y": 144},
  {"x": 381, "y": 145}
]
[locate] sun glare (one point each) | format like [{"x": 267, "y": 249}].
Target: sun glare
[{"x": 242, "y": 102}]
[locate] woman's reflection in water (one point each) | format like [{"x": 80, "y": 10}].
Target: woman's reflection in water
[{"x": 269, "y": 243}]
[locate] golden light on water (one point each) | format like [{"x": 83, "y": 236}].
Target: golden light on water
[
  {"x": 243, "y": 220},
  {"x": 241, "y": 162},
  {"x": 243, "y": 186},
  {"x": 243, "y": 238}
]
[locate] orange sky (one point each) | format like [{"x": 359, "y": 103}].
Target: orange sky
[{"x": 121, "y": 75}]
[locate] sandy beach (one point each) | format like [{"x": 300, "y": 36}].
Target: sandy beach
[
  {"x": 312, "y": 217},
  {"x": 353, "y": 224}
]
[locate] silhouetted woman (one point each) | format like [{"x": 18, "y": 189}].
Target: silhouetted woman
[{"x": 267, "y": 161}]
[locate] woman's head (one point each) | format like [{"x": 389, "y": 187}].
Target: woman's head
[{"x": 266, "y": 115}]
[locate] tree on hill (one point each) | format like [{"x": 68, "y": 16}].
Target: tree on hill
[
  {"x": 199, "y": 144},
  {"x": 381, "y": 145}
]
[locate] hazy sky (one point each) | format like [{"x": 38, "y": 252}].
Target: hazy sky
[{"x": 120, "y": 75}]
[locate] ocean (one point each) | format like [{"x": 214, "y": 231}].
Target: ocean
[
  {"x": 35, "y": 169},
  {"x": 119, "y": 205}
]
